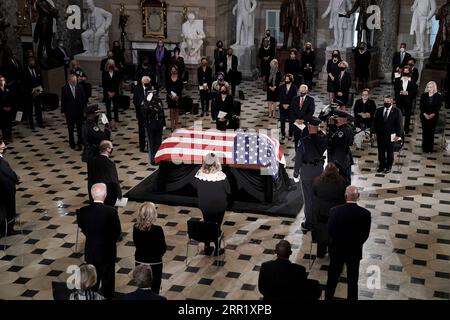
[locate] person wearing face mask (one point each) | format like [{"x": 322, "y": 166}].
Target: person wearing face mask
[
  {"x": 292, "y": 66},
  {"x": 308, "y": 64},
  {"x": 273, "y": 85},
  {"x": 388, "y": 128},
  {"x": 178, "y": 61},
  {"x": 8, "y": 181},
  {"x": 144, "y": 70},
  {"x": 119, "y": 55},
  {"x": 162, "y": 58},
  {"x": 414, "y": 70},
  {"x": 6, "y": 110},
  {"x": 362, "y": 58},
  {"x": 216, "y": 85},
  {"x": 301, "y": 111},
  {"x": 219, "y": 58},
  {"x": 73, "y": 103},
  {"x": 111, "y": 80},
  {"x": 287, "y": 93},
  {"x": 139, "y": 95},
  {"x": 204, "y": 80},
  {"x": 272, "y": 40},
  {"x": 342, "y": 84},
  {"x": 110, "y": 56},
  {"x": 174, "y": 88},
  {"x": 364, "y": 111},
  {"x": 231, "y": 74},
  {"x": 266, "y": 54},
  {"x": 399, "y": 60},
  {"x": 92, "y": 135},
  {"x": 81, "y": 78},
  {"x": 101, "y": 169},
  {"x": 225, "y": 104},
  {"x": 405, "y": 95},
  {"x": 33, "y": 88},
  {"x": 333, "y": 73},
  {"x": 430, "y": 105}
]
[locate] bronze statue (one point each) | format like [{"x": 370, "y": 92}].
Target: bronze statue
[
  {"x": 441, "y": 48},
  {"x": 293, "y": 19},
  {"x": 361, "y": 25},
  {"x": 4, "y": 24},
  {"x": 43, "y": 32}
]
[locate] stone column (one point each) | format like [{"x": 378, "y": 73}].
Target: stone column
[
  {"x": 386, "y": 38},
  {"x": 311, "y": 35}
]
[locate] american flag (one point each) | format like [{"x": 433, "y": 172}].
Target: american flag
[{"x": 252, "y": 149}]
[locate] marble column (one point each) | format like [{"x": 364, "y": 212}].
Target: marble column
[
  {"x": 9, "y": 10},
  {"x": 311, "y": 35},
  {"x": 386, "y": 38}
]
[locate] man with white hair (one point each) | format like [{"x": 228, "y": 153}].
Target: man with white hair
[
  {"x": 139, "y": 95},
  {"x": 302, "y": 110},
  {"x": 101, "y": 226},
  {"x": 349, "y": 228}
]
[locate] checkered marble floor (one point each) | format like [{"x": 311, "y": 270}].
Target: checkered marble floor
[{"x": 409, "y": 241}]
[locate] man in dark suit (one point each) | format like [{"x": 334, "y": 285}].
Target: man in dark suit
[
  {"x": 405, "y": 95},
  {"x": 399, "y": 60},
  {"x": 101, "y": 226},
  {"x": 143, "y": 278},
  {"x": 139, "y": 95},
  {"x": 8, "y": 182},
  {"x": 348, "y": 227},
  {"x": 287, "y": 92},
  {"x": 415, "y": 74},
  {"x": 33, "y": 89},
  {"x": 101, "y": 169},
  {"x": 301, "y": 111},
  {"x": 388, "y": 129},
  {"x": 281, "y": 279},
  {"x": 364, "y": 111},
  {"x": 111, "y": 80},
  {"x": 73, "y": 103},
  {"x": 272, "y": 40},
  {"x": 231, "y": 70}
]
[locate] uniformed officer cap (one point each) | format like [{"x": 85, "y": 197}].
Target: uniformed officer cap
[
  {"x": 91, "y": 109},
  {"x": 315, "y": 122},
  {"x": 342, "y": 114}
]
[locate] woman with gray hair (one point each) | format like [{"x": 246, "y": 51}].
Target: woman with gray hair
[
  {"x": 150, "y": 242},
  {"x": 86, "y": 278},
  {"x": 213, "y": 189},
  {"x": 430, "y": 105},
  {"x": 273, "y": 83},
  {"x": 111, "y": 80},
  {"x": 143, "y": 279}
]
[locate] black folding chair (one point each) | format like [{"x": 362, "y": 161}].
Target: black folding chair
[{"x": 206, "y": 232}]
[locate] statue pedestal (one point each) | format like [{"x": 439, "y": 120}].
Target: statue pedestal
[
  {"x": 53, "y": 80},
  {"x": 191, "y": 69},
  {"x": 247, "y": 61},
  {"x": 91, "y": 66}
]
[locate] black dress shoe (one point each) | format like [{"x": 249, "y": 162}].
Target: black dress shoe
[
  {"x": 388, "y": 170},
  {"x": 380, "y": 169},
  {"x": 208, "y": 250},
  {"x": 305, "y": 229},
  {"x": 72, "y": 147},
  {"x": 78, "y": 148}
]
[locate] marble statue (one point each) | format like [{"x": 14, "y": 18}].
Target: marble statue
[
  {"x": 96, "y": 37},
  {"x": 364, "y": 15},
  {"x": 192, "y": 35},
  {"x": 441, "y": 48},
  {"x": 293, "y": 19},
  {"x": 339, "y": 24},
  {"x": 423, "y": 12},
  {"x": 245, "y": 22}
]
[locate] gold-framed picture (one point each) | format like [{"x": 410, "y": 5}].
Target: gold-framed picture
[{"x": 154, "y": 19}]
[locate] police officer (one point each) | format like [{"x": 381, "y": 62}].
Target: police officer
[
  {"x": 309, "y": 161},
  {"x": 339, "y": 145},
  {"x": 155, "y": 121},
  {"x": 92, "y": 134}
]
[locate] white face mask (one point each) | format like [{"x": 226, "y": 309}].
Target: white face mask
[
  {"x": 402, "y": 50},
  {"x": 2, "y": 83}
]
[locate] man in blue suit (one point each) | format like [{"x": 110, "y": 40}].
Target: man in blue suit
[{"x": 349, "y": 227}]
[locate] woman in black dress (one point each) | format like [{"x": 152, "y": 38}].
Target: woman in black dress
[
  {"x": 342, "y": 85},
  {"x": 333, "y": 72},
  {"x": 6, "y": 110},
  {"x": 430, "y": 104},
  {"x": 329, "y": 191},
  {"x": 150, "y": 242},
  {"x": 205, "y": 80},
  {"x": 220, "y": 58},
  {"x": 292, "y": 66},
  {"x": 213, "y": 189},
  {"x": 266, "y": 54},
  {"x": 174, "y": 88},
  {"x": 308, "y": 64},
  {"x": 273, "y": 83},
  {"x": 224, "y": 103},
  {"x": 178, "y": 61},
  {"x": 362, "y": 66}
]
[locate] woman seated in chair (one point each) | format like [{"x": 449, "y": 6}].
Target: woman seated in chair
[
  {"x": 212, "y": 190},
  {"x": 88, "y": 279},
  {"x": 150, "y": 242},
  {"x": 329, "y": 191}
]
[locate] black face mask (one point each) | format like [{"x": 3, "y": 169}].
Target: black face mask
[
  {"x": 342, "y": 68},
  {"x": 406, "y": 74},
  {"x": 287, "y": 81},
  {"x": 335, "y": 55},
  {"x": 411, "y": 65},
  {"x": 387, "y": 105},
  {"x": 147, "y": 85},
  {"x": 362, "y": 48},
  {"x": 224, "y": 93},
  {"x": 302, "y": 94},
  {"x": 308, "y": 48}
]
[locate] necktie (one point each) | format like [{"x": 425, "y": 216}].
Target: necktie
[
  {"x": 73, "y": 90},
  {"x": 33, "y": 72},
  {"x": 402, "y": 57},
  {"x": 386, "y": 114},
  {"x": 302, "y": 100}
]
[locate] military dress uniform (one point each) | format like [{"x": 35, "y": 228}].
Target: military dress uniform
[
  {"x": 339, "y": 150},
  {"x": 155, "y": 121},
  {"x": 309, "y": 161},
  {"x": 92, "y": 136}
]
